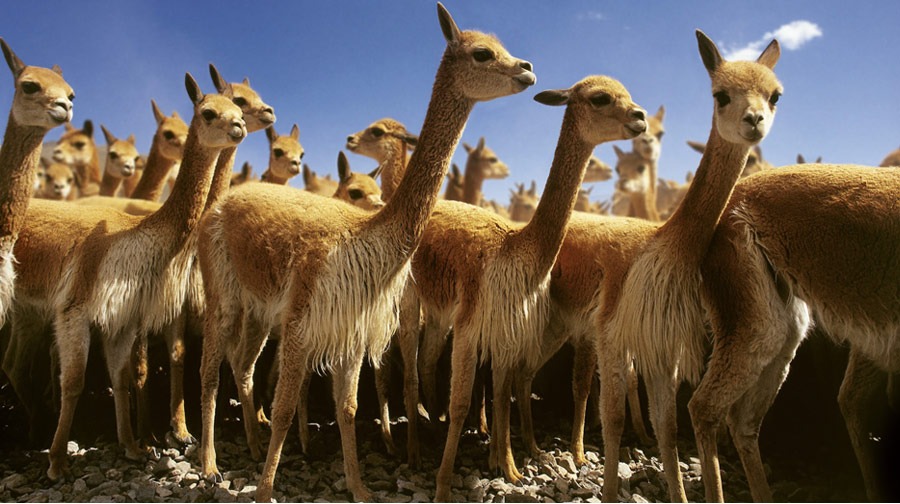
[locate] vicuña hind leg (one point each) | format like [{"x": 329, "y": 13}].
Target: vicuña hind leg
[
  {"x": 345, "y": 387},
  {"x": 118, "y": 350},
  {"x": 175, "y": 345},
  {"x": 243, "y": 363},
  {"x": 612, "y": 416},
  {"x": 863, "y": 382},
  {"x": 434, "y": 339},
  {"x": 408, "y": 340},
  {"x": 502, "y": 454},
  {"x": 383, "y": 388},
  {"x": 73, "y": 340},
  {"x": 662, "y": 389},
  {"x": 583, "y": 370}
]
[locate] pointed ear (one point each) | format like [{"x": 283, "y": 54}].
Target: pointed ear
[
  {"x": 110, "y": 138},
  {"x": 15, "y": 64},
  {"x": 175, "y": 114},
  {"x": 801, "y": 159},
  {"x": 708, "y": 52},
  {"x": 468, "y": 147},
  {"x": 193, "y": 89},
  {"x": 88, "y": 128},
  {"x": 69, "y": 126},
  {"x": 295, "y": 132},
  {"x": 410, "y": 139},
  {"x": 157, "y": 113},
  {"x": 697, "y": 146},
  {"x": 480, "y": 145},
  {"x": 770, "y": 54},
  {"x": 619, "y": 152},
  {"x": 818, "y": 159},
  {"x": 689, "y": 177},
  {"x": 661, "y": 113},
  {"x": 533, "y": 190},
  {"x": 44, "y": 162},
  {"x": 271, "y": 134},
  {"x": 57, "y": 69},
  {"x": 343, "y": 167},
  {"x": 553, "y": 97},
  {"x": 130, "y": 139},
  {"x": 217, "y": 79},
  {"x": 448, "y": 25},
  {"x": 307, "y": 175},
  {"x": 246, "y": 169},
  {"x": 246, "y": 81},
  {"x": 457, "y": 175},
  {"x": 376, "y": 172}
]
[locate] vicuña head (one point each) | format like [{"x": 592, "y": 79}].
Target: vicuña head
[
  {"x": 285, "y": 154},
  {"x": 358, "y": 189},
  {"x": 42, "y": 99},
  {"x": 649, "y": 145},
  {"x": 121, "y": 155},
  {"x": 257, "y": 113},
  {"x": 171, "y": 132},
  {"x": 59, "y": 181},
  {"x": 76, "y": 146},
  {"x": 597, "y": 171}
]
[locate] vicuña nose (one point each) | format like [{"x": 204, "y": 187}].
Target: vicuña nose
[
  {"x": 638, "y": 114},
  {"x": 526, "y": 65},
  {"x": 753, "y": 118},
  {"x": 64, "y": 103}
]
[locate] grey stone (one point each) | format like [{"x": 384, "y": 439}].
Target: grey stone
[
  {"x": 79, "y": 486},
  {"x": 471, "y": 482},
  {"x": 625, "y": 471},
  {"x": 94, "y": 479},
  {"x": 13, "y": 481},
  {"x": 164, "y": 465}
]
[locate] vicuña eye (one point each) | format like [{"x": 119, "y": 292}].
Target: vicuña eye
[
  {"x": 278, "y": 152},
  {"x": 168, "y": 135},
  {"x": 355, "y": 193},
  {"x": 72, "y": 97},
  {"x": 113, "y": 156},
  {"x": 30, "y": 87},
  {"x": 660, "y": 135},
  {"x": 78, "y": 145},
  {"x": 377, "y": 132},
  {"x": 209, "y": 115},
  {"x": 482, "y": 55},
  {"x": 240, "y": 102},
  {"x": 601, "y": 99},
  {"x": 723, "y": 98},
  {"x": 774, "y": 98}
]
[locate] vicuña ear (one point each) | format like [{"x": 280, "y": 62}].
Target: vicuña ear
[
  {"x": 410, "y": 139},
  {"x": 157, "y": 113},
  {"x": 468, "y": 148},
  {"x": 307, "y": 175},
  {"x": 660, "y": 113},
  {"x": 193, "y": 89},
  {"x": 88, "y": 128},
  {"x": 217, "y": 79},
  {"x": 343, "y": 167},
  {"x": 480, "y": 145},
  {"x": 554, "y": 97},
  {"x": 110, "y": 138},
  {"x": 130, "y": 139},
  {"x": 697, "y": 146},
  {"x": 376, "y": 172},
  {"x": 57, "y": 69},
  {"x": 708, "y": 52},
  {"x": 770, "y": 55},
  {"x": 619, "y": 152},
  {"x": 448, "y": 25},
  {"x": 295, "y": 132},
  {"x": 271, "y": 134},
  {"x": 15, "y": 64}
]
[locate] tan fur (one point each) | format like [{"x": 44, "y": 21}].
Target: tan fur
[
  {"x": 892, "y": 159},
  {"x": 522, "y": 203},
  {"x": 481, "y": 164},
  {"x": 755, "y": 161},
  {"x": 669, "y": 194},
  {"x": 165, "y": 154},
  {"x": 340, "y": 258},
  {"x": 121, "y": 163},
  {"x": 636, "y": 182},
  {"x": 387, "y": 141},
  {"x": 493, "y": 277},
  {"x": 454, "y": 190},
  {"x": 657, "y": 315},
  {"x": 285, "y": 156},
  {"x": 495, "y": 207},
  {"x": 243, "y": 176},
  {"x": 76, "y": 148},
  {"x": 598, "y": 171},
  {"x": 323, "y": 186},
  {"x": 122, "y": 274},
  {"x": 125, "y": 205},
  {"x": 42, "y": 101},
  {"x": 801, "y": 239},
  {"x": 59, "y": 182}
]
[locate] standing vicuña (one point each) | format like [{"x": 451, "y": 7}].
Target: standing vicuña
[{"x": 332, "y": 274}]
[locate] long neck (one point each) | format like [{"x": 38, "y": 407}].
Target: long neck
[
  {"x": 110, "y": 184},
  {"x": 392, "y": 171},
  {"x": 643, "y": 204},
  {"x": 181, "y": 212},
  {"x": 156, "y": 172},
  {"x": 547, "y": 227},
  {"x": 221, "y": 179},
  {"x": 410, "y": 206},
  {"x": 472, "y": 182},
  {"x": 19, "y": 156},
  {"x": 91, "y": 170},
  {"x": 691, "y": 227},
  {"x": 271, "y": 178}
]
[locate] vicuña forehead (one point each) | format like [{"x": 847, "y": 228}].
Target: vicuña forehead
[
  {"x": 388, "y": 123},
  {"x": 220, "y": 103},
  {"x": 244, "y": 91},
  {"x": 45, "y": 76},
  {"x": 745, "y": 75},
  {"x": 475, "y": 37},
  {"x": 601, "y": 83}
]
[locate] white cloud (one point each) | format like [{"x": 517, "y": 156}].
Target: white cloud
[
  {"x": 791, "y": 36},
  {"x": 591, "y": 16}
]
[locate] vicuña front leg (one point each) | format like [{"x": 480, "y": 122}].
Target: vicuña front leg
[
  {"x": 663, "y": 412},
  {"x": 345, "y": 387},
  {"x": 501, "y": 406},
  {"x": 175, "y": 345},
  {"x": 862, "y": 382}
]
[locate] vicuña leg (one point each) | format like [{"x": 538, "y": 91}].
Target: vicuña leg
[
  {"x": 408, "y": 340},
  {"x": 174, "y": 335},
  {"x": 383, "y": 388},
  {"x": 220, "y": 325},
  {"x": 73, "y": 340},
  {"x": 634, "y": 407},
  {"x": 863, "y": 381},
  {"x": 583, "y": 370},
  {"x": 501, "y": 406},
  {"x": 118, "y": 350},
  {"x": 345, "y": 388},
  {"x": 662, "y": 389},
  {"x": 434, "y": 339},
  {"x": 463, "y": 368},
  {"x": 243, "y": 364}
]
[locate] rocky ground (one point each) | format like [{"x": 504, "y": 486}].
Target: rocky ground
[{"x": 806, "y": 452}]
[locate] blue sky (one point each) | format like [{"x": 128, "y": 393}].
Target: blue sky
[{"x": 333, "y": 67}]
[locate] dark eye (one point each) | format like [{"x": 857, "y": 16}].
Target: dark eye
[
  {"x": 641, "y": 168},
  {"x": 278, "y": 152},
  {"x": 113, "y": 156},
  {"x": 377, "y": 132},
  {"x": 751, "y": 161},
  {"x": 492, "y": 160},
  {"x": 240, "y": 102},
  {"x": 355, "y": 193},
  {"x": 168, "y": 135},
  {"x": 482, "y": 55},
  {"x": 723, "y": 98},
  {"x": 78, "y": 145},
  {"x": 72, "y": 97},
  {"x": 70, "y": 180},
  {"x": 774, "y": 98},
  {"x": 302, "y": 154},
  {"x": 30, "y": 87},
  {"x": 49, "y": 178},
  {"x": 660, "y": 135},
  {"x": 209, "y": 115},
  {"x": 601, "y": 99}
]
